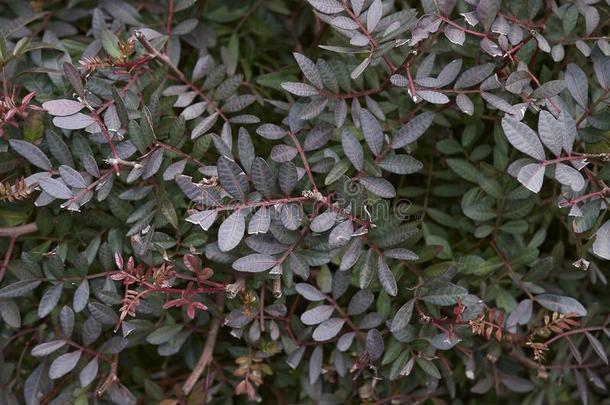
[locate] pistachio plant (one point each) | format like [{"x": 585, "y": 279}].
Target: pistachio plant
[{"x": 346, "y": 201}]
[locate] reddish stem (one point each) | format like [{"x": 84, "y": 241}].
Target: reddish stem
[
  {"x": 180, "y": 153},
  {"x": 600, "y": 193},
  {"x": 299, "y": 148},
  {"x": 466, "y": 30},
  {"x": 7, "y": 257},
  {"x": 573, "y": 332}
]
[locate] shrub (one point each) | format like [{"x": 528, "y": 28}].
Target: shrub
[{"x": 332, "y": 201}]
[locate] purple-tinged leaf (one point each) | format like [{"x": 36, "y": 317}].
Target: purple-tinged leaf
[
  {"x": 353, "y": 149},
  {"x": 46, "y": 348},
  {"x": 549, "y": 89},
  {"x": 19, "y": 288},
  {"x": 373, "y": 134},
  {"x": 271, "y": 131},
  {"x": 300, "y": 89},
  {"x": 327, "y": 6},
  {"x": 231, "y": 231},
  {"x": 373, "y": 15},
  {"x": 373, "y": 344},
  {"x": 341, "y": 234},
  {"x": 55, "y": 188},
  {"x": 597, "y": 347},
  {"x": 413, "y": 129},
  {"x": 378, "y": 186},
  {"x": 550, "y": 131},
  {"x": 174, "y": 170},
  {"x": 232, "y": 178},
  {"x": 328, "y": 329},
  {"x": 317, "y": 315},
  {"x": 309, "y": 69},
  {"x": 465, "y": 104},
  {"x": 64, "y": 364},
  {"x": 62, "y": 107},
  {"x": 444, "y": 341},
  {"x": 532, "y": 176},
  {"x": 49, "y": 300},
  {"x": 205, "y": 219},
  {"x": 204, "y": 126},
  {"x": 455, "y": 35},
  {"x": 283, "y": 153},
  {"x": 309, "y": 292},
  {"x": 32, "y": 153},
  {"x": 522, "y": 137},
  {"x": 89, "y": 372},
  {"x": 569, "y": 176},
  {"x": 351, "y": 255},
  {"x": 76, "y": 121},
  {"x": 260, "y": 221},
  {"x": 433, "y": 97},
  {"x": 386, "y": 277},
  {"x": 487, "y": 11},
  {"x": 323, "y": 222},
  {"x": 400, "y": 254},
  {"x": 262, "y": 178},
  {"x": 474, "y": 75},
  {"x": 403, "y": 316},
  {"x": 81, "y": 296},
  {"x": 561, "y": 304},
  {"x": 315, "y": 364},
  {"x": 71, "y": 177},
  {"x": 360, "y": 302},
  {"x": 601, "y": 246},
  {"x": 577, "y": 84}
]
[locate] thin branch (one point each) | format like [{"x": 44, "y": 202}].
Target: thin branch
[
  {"x": 179, "y": 75},
  {"x": 591, "y": 108},
  {"x": 297, "y": 145},
  {"x": 573, "y": 332},
  {"x": 17, "y": 231},
  {"x": 208, "y": 350},
  {"x": 7, "y": 258},
  {"x": 180, "y": 153}
]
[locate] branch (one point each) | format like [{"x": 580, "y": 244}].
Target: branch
[
  {"x": 13, "y": 233},
  {"x": 17, "y": 231},
  {"x": 299, "y": 148},
  {"x": 165, "y": 60},
  {"x": 208, "y": 350}
]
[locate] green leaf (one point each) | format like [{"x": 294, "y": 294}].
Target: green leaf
[
  {"x": 445, "y": 295},
  {"x": 428, "y": 367},
  {"x": 163, "y": 334},
  {"x": 110, "y": 42},
  {"x": 403, "y": 316}
]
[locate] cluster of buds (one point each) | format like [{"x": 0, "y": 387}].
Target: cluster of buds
[{"x": 539, "y": 349}]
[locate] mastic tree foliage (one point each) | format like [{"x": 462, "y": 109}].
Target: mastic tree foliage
[{"x": 290, "y": 201}]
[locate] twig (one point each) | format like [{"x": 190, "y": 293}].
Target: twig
[
  {"x": 208, "y": 350},
  {"x": 178, "y": 152},
  {"x": 299, "y": 148},
  {"x": 17, "y": 231},
  {"x": 13, "y": 232},
  {"x": 7, "y": 258},
  {"x": 177, "y": 72},
  {"x": 573, "y": 332}
]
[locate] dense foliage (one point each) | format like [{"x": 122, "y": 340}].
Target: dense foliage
[{"x": 321, "y": 201}]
